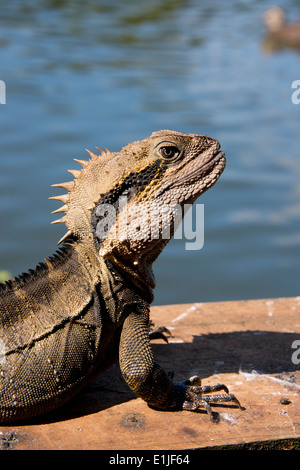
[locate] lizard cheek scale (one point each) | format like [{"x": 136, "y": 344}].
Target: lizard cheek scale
[{"x": 87, "y": 306}]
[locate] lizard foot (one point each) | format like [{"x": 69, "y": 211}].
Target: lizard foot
[
  {"x": 195, "y": 397},
  {"x": 158, "y": 332}
]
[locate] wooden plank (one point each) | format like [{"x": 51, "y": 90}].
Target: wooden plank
[{"x": 248, "y": 345}]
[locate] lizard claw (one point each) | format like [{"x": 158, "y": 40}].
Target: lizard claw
[
  {"x": 158, "y": 333},
  {"x": 196, "y": 398},
  {"x": 194, "y": 380}
]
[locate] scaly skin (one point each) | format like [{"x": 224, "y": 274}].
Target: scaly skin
[{"x": 88, "y": 306}]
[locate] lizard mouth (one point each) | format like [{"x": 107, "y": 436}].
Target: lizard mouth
[{"x": 217, "y": 161}]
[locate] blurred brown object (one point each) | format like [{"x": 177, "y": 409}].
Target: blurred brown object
[{"x": 280, "y": 34}]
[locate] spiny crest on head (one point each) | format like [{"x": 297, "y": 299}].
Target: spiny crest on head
[{"x": 69, "y": 186}]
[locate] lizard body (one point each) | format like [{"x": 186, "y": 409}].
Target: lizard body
[{"x": 88, "y": 306}]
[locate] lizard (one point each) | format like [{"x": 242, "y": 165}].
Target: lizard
[{"x": 87, "y": 306}]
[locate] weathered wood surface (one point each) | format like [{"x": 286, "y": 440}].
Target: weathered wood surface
[{"x": 248, "y": 345}]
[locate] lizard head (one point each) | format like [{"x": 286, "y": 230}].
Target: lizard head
[{"x": 128, "y": 202}]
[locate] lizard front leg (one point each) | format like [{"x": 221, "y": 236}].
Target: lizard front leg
[
  {"x": 151, "y": 383},
  {"x": 145, "y": 377}
]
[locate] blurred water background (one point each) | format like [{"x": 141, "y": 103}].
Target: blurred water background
[{"x": 81, "y": 74}]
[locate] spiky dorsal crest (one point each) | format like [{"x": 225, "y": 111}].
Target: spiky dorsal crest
[{"x": 83, "y": 192}]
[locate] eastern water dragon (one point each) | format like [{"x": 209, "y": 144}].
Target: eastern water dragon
[{"x": 86, "y": 307}]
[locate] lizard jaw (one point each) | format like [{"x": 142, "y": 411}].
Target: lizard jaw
[{"x": 217, "y": 159}]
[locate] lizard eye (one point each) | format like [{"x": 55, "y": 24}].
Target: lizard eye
[{"x": 169, "y": 152}]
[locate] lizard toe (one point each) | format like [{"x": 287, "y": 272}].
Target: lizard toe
[{"x": 196, "y": 398}]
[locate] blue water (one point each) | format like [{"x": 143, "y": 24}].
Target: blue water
[{"x": 99, "y": 73}]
